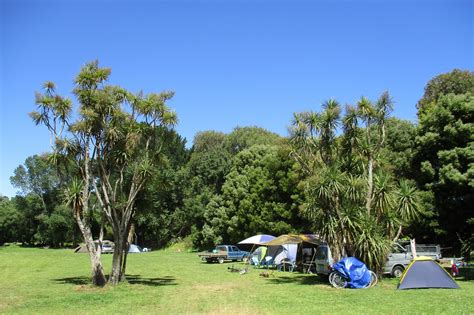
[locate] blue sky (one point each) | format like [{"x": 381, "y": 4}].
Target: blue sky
[{"x": 231, "y": 63}]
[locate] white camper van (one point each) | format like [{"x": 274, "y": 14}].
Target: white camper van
[{"x": 323, "y": 260}]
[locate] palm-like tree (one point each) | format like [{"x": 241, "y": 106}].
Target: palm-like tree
[
  {"x": 408, "y": 204},
  {"x": 353, "y": 200}
]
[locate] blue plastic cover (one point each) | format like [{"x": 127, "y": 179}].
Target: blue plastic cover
[{"x": 354, "y": 270}]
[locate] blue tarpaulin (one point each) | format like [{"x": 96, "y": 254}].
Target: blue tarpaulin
[{"x": 355, "y": 271}]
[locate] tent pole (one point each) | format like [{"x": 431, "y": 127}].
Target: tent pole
[{"x": 251, "y": 251}]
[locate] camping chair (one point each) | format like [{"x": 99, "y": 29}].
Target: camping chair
[
  {"x": 307, "y": 265},
  {"x": 287, "y": 264},
  {"x": 267, "y": 262},
  {"x": 255, "y": 261}
]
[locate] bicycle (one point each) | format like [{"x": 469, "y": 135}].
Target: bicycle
[{"x": 340, "y": 281}]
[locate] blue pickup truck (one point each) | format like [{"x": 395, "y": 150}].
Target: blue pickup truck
[{"x": 224, "y": 253}]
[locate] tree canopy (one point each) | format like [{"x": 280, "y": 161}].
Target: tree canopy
[
  {"x": 444, "y": 165},
  {"x": 456, "y": 82}
]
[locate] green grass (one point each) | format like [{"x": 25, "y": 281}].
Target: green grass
[{"x": 173, "y": 281}]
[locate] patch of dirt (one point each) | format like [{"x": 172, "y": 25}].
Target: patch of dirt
[{"x": 234, "y": 311}]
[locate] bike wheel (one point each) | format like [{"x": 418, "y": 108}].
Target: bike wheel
[
  {"x": 373, "y": 280},
  {"x": 337, "y": 280}
]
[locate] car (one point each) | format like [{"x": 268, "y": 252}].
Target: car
[
  {"x": 107, "y": 248},
  {"x": 224, "y": 253}
]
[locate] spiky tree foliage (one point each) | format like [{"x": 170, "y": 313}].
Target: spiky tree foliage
[
  {"x": 374, "y": 118},
  {"x": 109, "y": 142},
  {"x": 354, "y": 202}
]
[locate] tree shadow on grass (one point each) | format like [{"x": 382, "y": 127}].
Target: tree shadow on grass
[
  {"x": 74, "y": 280},
  {"x": 467, "y": 276},
  {"x": 131, "y": 279},
  {"x": 298, "y": 279},
  {"x": 137, "y": 279}
]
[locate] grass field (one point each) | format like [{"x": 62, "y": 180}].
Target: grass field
[{"x": 56, "y": 281}]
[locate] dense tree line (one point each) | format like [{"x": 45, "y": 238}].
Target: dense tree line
[
  {"x": 443, "y": 160},
  {"x": 358, "y": 177}
]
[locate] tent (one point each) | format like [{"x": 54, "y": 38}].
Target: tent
[
  {"x": 286, "y": 251},
  {"x": 290, "y": 244},
  {"x": 424, "y": 272},
  {"x": 258, "y": 255},
  {"x": 134, "y": 249},
  {"x": 81, "y": 249},
  {"x": 294, "y": 239}
]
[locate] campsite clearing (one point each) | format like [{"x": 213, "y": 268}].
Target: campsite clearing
[{"x": 169, "y": 281}]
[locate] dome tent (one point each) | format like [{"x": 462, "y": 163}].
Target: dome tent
[
  {"x": 134, "y": 249},
  {"x": 423, "y": 272}
]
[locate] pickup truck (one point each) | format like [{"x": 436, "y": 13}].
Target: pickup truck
[
  {"x": 401, "y": 256},
  {"x": 224, "y": 253}
]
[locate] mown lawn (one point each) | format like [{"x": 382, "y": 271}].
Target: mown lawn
[{"x": 56, "y": 281}]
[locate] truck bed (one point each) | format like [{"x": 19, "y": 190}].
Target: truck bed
[{"x": 212, "y": 255}]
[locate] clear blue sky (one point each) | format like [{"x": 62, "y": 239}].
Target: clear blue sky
[{"x": 231, "y": 63}]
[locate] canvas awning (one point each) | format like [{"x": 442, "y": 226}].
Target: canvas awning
[{"x": 293, "y": 239}]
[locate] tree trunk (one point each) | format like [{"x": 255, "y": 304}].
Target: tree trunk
[
  {"x": 124, "y": 263},
  {"x": 370, "y": 184},
  {"x": 117, "y": 260},
  {"x": 98, "y": 277},
  {"x": 399, "y": 232},
  {"x": 131, "y": 231},
  {"x": 336, "y": 251}
]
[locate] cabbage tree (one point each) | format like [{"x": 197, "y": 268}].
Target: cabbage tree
[{"x": 107, "y": 146}]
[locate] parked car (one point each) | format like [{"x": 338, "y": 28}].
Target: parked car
[
  {"x": 224, "y": 253},
  {"x": 107, "y": 248}
]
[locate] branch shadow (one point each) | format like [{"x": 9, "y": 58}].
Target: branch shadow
[
  {"x": 299, "y": 279},
  {"x": 131, "y": 279},
  {"x": 465, "y": 276},
  {"x": 73, "y": 280},
  {"x": 159, "y": 281}
]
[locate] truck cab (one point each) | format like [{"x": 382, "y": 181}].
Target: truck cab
[
  {"x": 398, "y": 259},
  {"x": 401, "y": 256}
]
